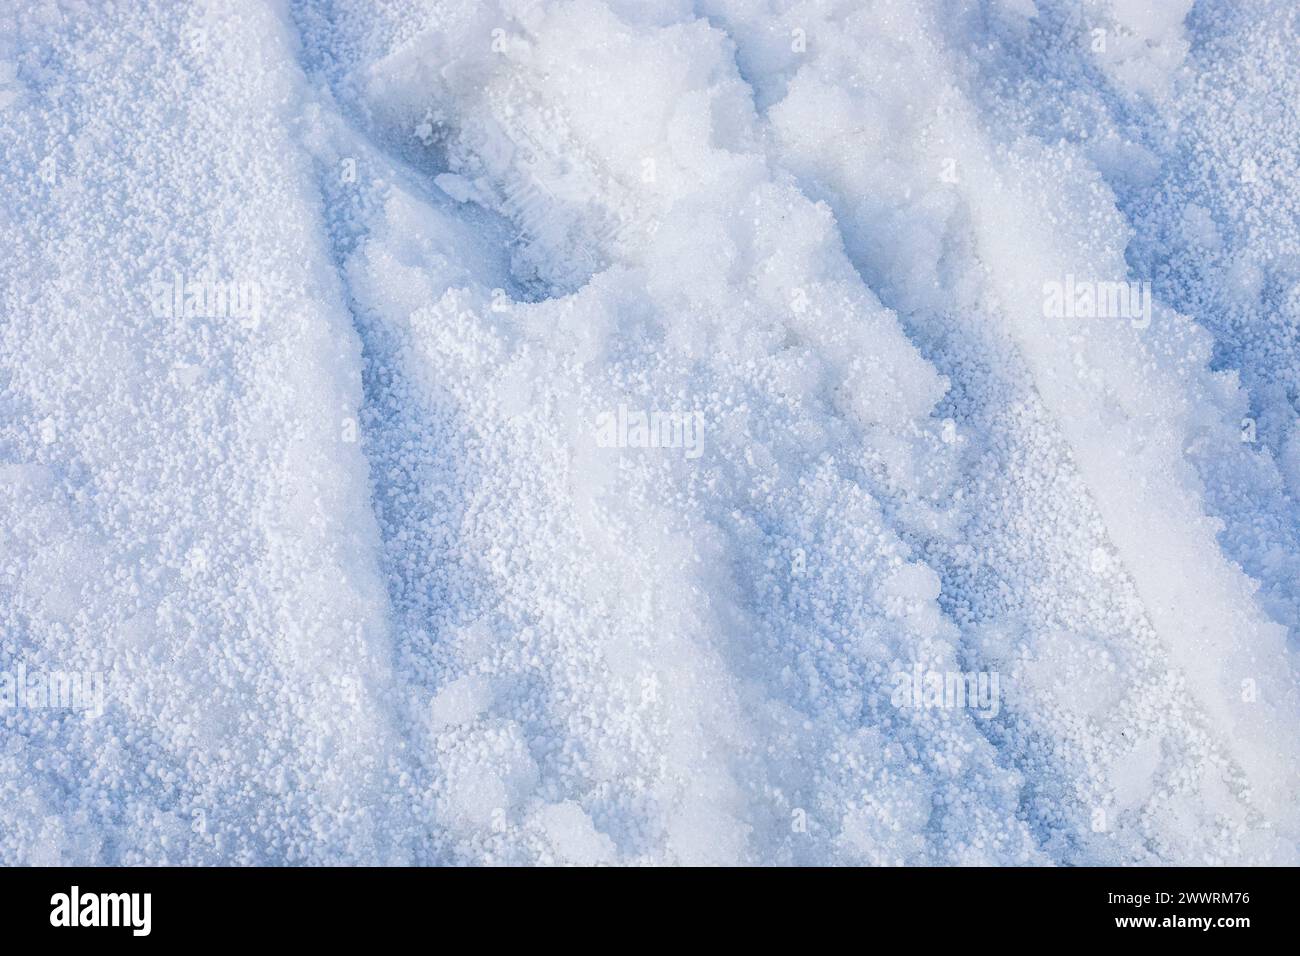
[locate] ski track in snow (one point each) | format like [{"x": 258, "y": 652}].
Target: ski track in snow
[{"x": 367, "y": 585}]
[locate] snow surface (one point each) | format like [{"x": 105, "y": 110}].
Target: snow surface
[{"x": 377, "y": 567}]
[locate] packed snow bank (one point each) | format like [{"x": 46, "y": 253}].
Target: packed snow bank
[
  {"x": 709, "y": 597},
  {"x": 633, "y": 435}
]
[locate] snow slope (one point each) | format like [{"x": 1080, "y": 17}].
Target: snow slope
[{"x": 611, "y": 404}]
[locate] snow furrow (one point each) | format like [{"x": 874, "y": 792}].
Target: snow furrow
[{"x": 926, "y": 192}]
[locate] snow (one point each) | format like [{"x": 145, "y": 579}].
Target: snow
[{"x": 550, "y": 431}]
